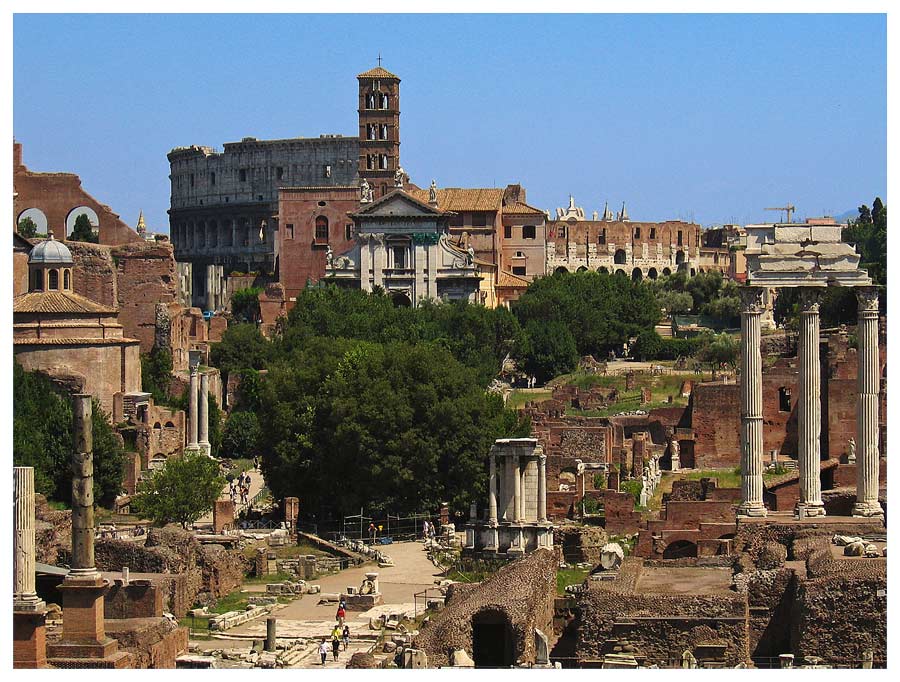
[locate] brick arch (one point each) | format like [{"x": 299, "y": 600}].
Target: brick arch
[
  {"x": 677, "y": 549},
  {"x": 37, "y": 215},
  {"x": 73, "y": 214}
]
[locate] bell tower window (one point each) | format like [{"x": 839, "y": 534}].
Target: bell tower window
[
  {"x": 53, "y": 280},
  {"x": 321, "y": 229}
]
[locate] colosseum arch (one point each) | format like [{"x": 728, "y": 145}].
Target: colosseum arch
[
  {"x": 603, "y": 269},
  {"x": 581, "y": 269},
  {"x": 679, "y": 257},
  {"x": 77, "y": 211},
  {"x": 561, "y": 270},
  {"x": 652, "y": 273},
  {"x": 621, "y": 272},
  {"x": 637, "y": 275},
  {"x": 619, "y": 257}
]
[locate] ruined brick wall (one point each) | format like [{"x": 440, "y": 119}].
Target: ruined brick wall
[
  {"x": 145, "y": 275},
  {"x": 620, "y": 515},
  {"x": 580, "y": 543},
  {"x": 770, "y": 596},
  {"x": 153, "y": 642},
  {"x": 94, "y": 274},
  {"x": 223, "y": 570},
  {"x": 56, "y": 195},
  {"x": 523, "y": 591},
  {"x": 163, "y": 434},
  {"x": 661, "y": 627}
]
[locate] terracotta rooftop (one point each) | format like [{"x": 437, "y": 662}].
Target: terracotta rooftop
[
  {"x": 378, "y": 72},
  {"x": 508, "y": 280},
  {"x": 58, "y": 302},
  {"x": 520, "y": 208},
  {"x": 460, "y": 199}
]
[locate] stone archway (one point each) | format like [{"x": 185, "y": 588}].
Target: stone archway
[
  {"x": 679, "y": 257},
  {"x": 493, "y": 640},
  {"x": 401, "y": 300},
  {"x": 637, "y": 275},
  {"x": 37, "y": 216},
  {"x": 667, "y": 272},
  {"x": 652, "y": 273},
  {"x": 619, "y": 257},
  {"x": 680, "y": 549},
  {"x": 77, "y": 211},
  {"x": 561, "y": 270},
  {"x": 621, "y": 273},
  {"x": 603, "y": 269}
]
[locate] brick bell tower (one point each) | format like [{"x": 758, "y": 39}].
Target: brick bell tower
[{"x": 379, "y": 128}]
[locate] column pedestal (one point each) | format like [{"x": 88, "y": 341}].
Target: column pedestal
[{"x": 29, "y": 639}]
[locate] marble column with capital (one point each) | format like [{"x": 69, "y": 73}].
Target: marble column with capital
[
  {"x": 752, "y": 304},
  {"x": 24, "y": 595},
  {"x": 193, "y": 390},
  {"x": 809, "y": 406},
  {"x": 517, "y": 489},
  {"x": 203, "y": 414},
  {"x": 542, "y": 489},
  {"x": 492, "y": 500},
  {"x": 868, "y": 383}
]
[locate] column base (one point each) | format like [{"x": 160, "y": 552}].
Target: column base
[
  {"x": 868, "y": 510},
  {"x": 29, "y": 639},
  {"x": 808, "y": 510},
  {"x": 753, "y": 510},
  {"x": 205, "y": 448}
]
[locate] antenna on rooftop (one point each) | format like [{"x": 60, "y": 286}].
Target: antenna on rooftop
[{"x": 789, "y": 209}]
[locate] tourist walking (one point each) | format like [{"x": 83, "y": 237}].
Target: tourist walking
[
  {"x": 346, "y": 637},
  {"x": 373, "y": 531},
  {"x": 425, "y": 531},
  {"x": 323, "y": 651},
  {"x": 336, "y": 641},
  {"x": 341, "y": 614}
]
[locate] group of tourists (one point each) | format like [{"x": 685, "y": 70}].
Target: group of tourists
[
  {"x": 340, "y": 634},
  {"x": 239, "y": 488},
  {"x": 429, "y": 530}
]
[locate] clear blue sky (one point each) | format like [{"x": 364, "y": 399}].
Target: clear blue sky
[{"x": 681, "y": 116}]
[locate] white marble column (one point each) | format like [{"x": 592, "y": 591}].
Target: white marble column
[
  {"x": 365, "y": 262},
  {"x": 203, "y": 413},
  {"x": 193, "y": 390},
  {"x": 433, "y": 256},
  {"x": 868, "y": 382},
  {"x": 542, "y": 488},
  {"x": 751, "y": 404},
  {"x": 517, "y": 489},
  {"x": 809, "y": 406},
  {"x": 492, "y": 499},
  {"x": 523, "y": 487},
  {"x": 379, "y": 259},
  {"x": 24, "y": 595}
]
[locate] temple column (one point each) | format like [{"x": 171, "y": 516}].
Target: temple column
[
  {"x": 517, "y": 489},
  {"x": 192, "y": 408},
  {"x": 379, "y": 260},
  {"x": 751, "y": 404},
  {"x": 492, "y": 499},
  {"x": 204, "y": 413},
  {"x": 523, "y": 487},
  {"x": 83, "y": 632},
  {"x": 29, "y": 612},
  {"x": 365, "y": 262},
  {"x": 810, "y": 406},
  {"x": 542, "y": 488},
  {"x": 868, "y": 382}
]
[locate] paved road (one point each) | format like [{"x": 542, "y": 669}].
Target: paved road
[{"x": 256, "y": 484}]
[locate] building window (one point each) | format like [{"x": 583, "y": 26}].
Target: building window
[
  {"x": 53, "y": 280},
  {"x": 456, "y": 220},
  {"x": 67, "y": 280},
  {"x": 243, "y": 175},
  {"x": 679, "y": 238},
  {"x": 601, "y": 237},
  {"x": 562, "y": 231},
  {"x": 399, "y": 253},
  {"x": 528, "y": 232},
  {"x": 327, "y": 171},
  {"x": 784, "y": 399},
  {"x": 652, "y": 233},
  {"x": 519, "y": 254},
  {"x": 518, "y": 270},
  {"x": 289, "y": 231},
  {"x": 370, "y": 100},
  {"x": 348, "y": 232},
  {"x": 507, "y": 231},
  {"x": 321, "y": 229},
  {"x": 192, "y": 179},
  {"x": 479, "y": 219},
  {"x": 637, "y": 233},
  {"x": 212, "y": 179},
  {"x": 384, "y": 131},
  {"x": 383, "y": 161},
  {"x": 279, "y": 173},
  {"x": 385, "y": 102},
  {"x": 370, "y": 161}
]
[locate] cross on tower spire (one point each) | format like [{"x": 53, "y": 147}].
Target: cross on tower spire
[{"x": 379, "y": 59}]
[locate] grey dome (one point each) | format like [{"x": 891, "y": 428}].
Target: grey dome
[{"x": 50, "y": 252}]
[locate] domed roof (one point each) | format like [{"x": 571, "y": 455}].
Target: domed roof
[{"x": 50, "y": 252}]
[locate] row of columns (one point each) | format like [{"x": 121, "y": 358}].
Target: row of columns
[
  {"x": 809, "y": 407},
  {"x": 198, "y": 411},
  {"x": 518, "y": 475},
  {"x": 214, "y": 233}
]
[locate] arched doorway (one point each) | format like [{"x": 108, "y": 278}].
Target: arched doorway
[
  {"x": 560, "y": 270},
  {"x": 73, "y": 216},
  {"x": 603, "y": 269},
  {"x": 401, "y": 300},
  {"x": 619, "y": 257},
  {"x": 667, "y": 272},
  {"x": 637, "y": 275},
  {"x": 581, "y": 269},
  {"x": 493, "y": 640},
  {"x": 680, "y": 549},
  {"x": 621, "y": 272},
  {"x": 652, "y": 273}
]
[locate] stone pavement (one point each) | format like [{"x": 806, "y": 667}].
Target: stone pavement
[{"x": 256, "y": 484}]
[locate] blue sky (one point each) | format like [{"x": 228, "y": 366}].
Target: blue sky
[{"x": 704, "y": 117}]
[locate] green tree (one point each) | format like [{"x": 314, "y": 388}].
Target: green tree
[
  {"x": 240, "y": 437},
  {"x": 245, "y": 305},
  {"x": 156, "y": 373},
  {"x": 242, "y": 347},
  {"x": 182, "y": 491},
  {"x": 83, "y": 231},
  {"x": 722, "y": 350},
  {"x": 550, "y": 351},
  {"x": 649, "y": 345},
  {"x": 675, "y": 302},
  {"x": 43, "y": 439},
  {"x": 389, "y": 427},
  {"x": 725, "y": 308},
  {"x": 27, "y": 227}
]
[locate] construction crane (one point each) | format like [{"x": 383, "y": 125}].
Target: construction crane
[{"x": 787, "y": 209}]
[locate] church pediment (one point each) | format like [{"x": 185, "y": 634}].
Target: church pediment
[{"x": 397, "y": 203}]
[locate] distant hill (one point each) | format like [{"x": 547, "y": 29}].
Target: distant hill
[{"x": 852, "y": 214}]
